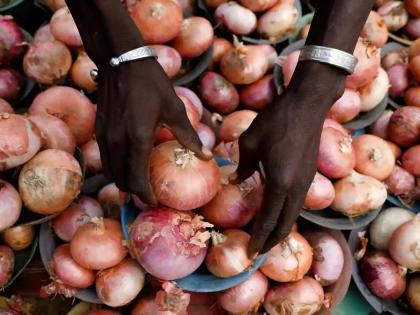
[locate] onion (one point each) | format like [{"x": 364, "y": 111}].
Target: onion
[
  {"x": 219, "y": 94},
  {"x": 369, "y": 61},
  {"x": 235, "y": 124},
  {"x": 258, "y": 5},
  {"x": 375, "y": 30},
  {"x": 412, "y": 96},
  {"x": 328, "y": 260},
  {"x": 55, "y": 133},
  {"x": 396, "y": 57},
  {"x": 90, "y": 205},
  {"x": 10, "y": 205},
  {"x": 10, "y": 84},
  {"x": 411, "y": 160},
  {"x": 228, "y": 151},
  {"x": 221, "y": 46},
  {"x": 412, "y": 29},
  {"x": 148, "y": 306},
  {"x": 160, "y": 235},
  {"x": 98, "y": 244},
  {"x": 279, "y": 21},
  {"x": 398, "y": 79},
  {"x": 413, "y": 7},
  {"x": 404, "y": 245},
  {"x": 111, "y": 200},
  {"x": 259, "y": 94},
  {"x": 304, "y": 32},
  {"x": 228, "y": 255},
  {"x": 395, "y": 149},
  {"x": 192, "y": 97},
  {"x": 374, "y": 92},
  {"x": 245, "y": 297},
  {"x": 289, "y": 66},
  {"x": 43, "y": 34},
  {"x": 206, "y": 135},
  {"x": 400, "y": 182},
  {"x": 330, "y": 123},
  {"x": 11, "y": 40},
  {"x": 64, "y": 28},
  {"x": 5, "y": 107},
  {"x": 270, "y": 53},
  {"x": 47, "y": 62},
  {"x": 404, "y": 126},
  {"x": 159, "y": 21},
  {"x": 346, "y": 107},
  {"x": 91, "y": 156},
  {"x": 358, "y": 194},
  {"x": 321, "y": 193},
  {"x": 336, "y": 156},
  {"x": 385, "y": 224},
  {"x": 195, "y": 38},
  {"x": 413, "y": 293},
  {"x": 302, "y": 297},
  {"x": 236, "y": 18},
  {"x": 414, "y": 68},
  {"x": 382, "y": 275},
  {"x": 172, "y": 298},
  {"x": 414, "y": 49},
  {"x": 50, "y": 182},
  {"x": 7, "y": 264},
  {"x": 119, "y": 285},
  {"x": 20, "y": 140},
  {"x": 80, "y": 72},
  {"x": 204, "y": 304},
  {"x": 374, "y": 157},
  {"x": 380, "y": 127},
  {"x": 54, "y": 5},
  {"x": 234, "y": 206},
  {"x": 169, "y": 58},
  {"x": 168, "y": 163},
  {"x": 19, "y": 237},
  {"x": 71, "y": 106},
  {"x": 289, "y": 260},
  {"x": 394, "y": 15}
]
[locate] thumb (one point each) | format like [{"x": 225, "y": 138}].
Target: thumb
[{"x": 248, "y": 158}]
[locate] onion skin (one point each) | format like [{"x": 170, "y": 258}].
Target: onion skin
[
  {"x": 218, "y": 93},
  {"x": 321, "y": 193},
  {"x": 414, "y": 49},
  {"x": 358, "y": 194},
  {"x": 382, "y": 275},
  {"x": 413, "y": 291},
  {"x": 411, "y": 160},
  {"x": 279, "y": 21},
  {"x": 54, "y": 5},
  {"x": 259, "y": 94},
  {"x": 412, "y": 96},
  {"x": 204, "y": 304},
  {"x": 169, "y": 58},
  {"x": 303, "y": 297},
  {"x": 112, "y": 199},
  {"x": 206, "y": 135},
  {"x": 92, "y": 157},
  {"x": 289, "y": 260},
  {"x": 55, "y": 133},
  {"x": 382, "y": 228},
  {"x": 7, "y": 264},
  {"x": 400, "y": 182},
  {"x": 235, "y": 124},
  {"x": 50, "y": 182},
  {"x": 395, "y": 149},
  {"x": 374, "y": 92},
  {"x": 331, "y": 123},
  {"x": 192, "y": 97},
  {"x": 228, "y": 151},
  {"x": 19, "y": 237},
  {"x": 258, "y": 5},
  {"x": 404, "y": 126},
  {"x": 380, "y": 127},
  {"x": 43, "y": 34},
  {"x": 20, "y": 140},
  {"x": 398, "y": 79},
  {"x": 5, "y": 107},
  {"x": 246, "y": 296},
  {"x": 64, "y": 28},
  {"x": 220, "y": 47},
  {"x": 236, "y": 18},
  {"x": 347, "y": 107},
  {"x": 71, "y": 106},
  {"x": 120, "y": 284},
  {"x": 414, "y": 68},
  {"x": 148, "y": 306},
  {"x": 11, "y": 38},
  {"x": 10, "y": 205},
  {"x": 10, "y": 84},
  {"x": 412, "y": 29},
  {"x": 394, "y": 15},
  {"x": 375, "y": 29},
  {"x": 413, "y": 7},
  {"x": 159, "y": 21},
  {"x": 396, "y": 57},
  {"x": 80, "y": 72}
]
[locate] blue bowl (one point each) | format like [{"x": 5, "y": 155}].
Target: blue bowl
[{"x": 198, "y": 281}]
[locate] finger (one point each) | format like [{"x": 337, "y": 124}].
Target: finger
[
  {"x": 103, "y": 152},
  {"x": 248, "y": 158},
  {"x": 117, "y": 159}
]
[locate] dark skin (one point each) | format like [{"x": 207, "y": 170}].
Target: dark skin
[{"x": 136, "y": 97}]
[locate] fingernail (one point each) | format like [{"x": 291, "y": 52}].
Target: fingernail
[
  {"x": 233, "y": 177},
  {"x": 206, "y": 151}
]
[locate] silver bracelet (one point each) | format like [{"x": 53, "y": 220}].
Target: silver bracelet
[{"x": 331, "y": 56}]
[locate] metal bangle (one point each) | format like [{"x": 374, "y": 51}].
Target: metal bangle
[
  {"x": 135, "y": 54},
  {"x": 331, "y": 56}
]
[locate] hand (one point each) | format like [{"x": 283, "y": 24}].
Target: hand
[{"x": 132, "y": 100}]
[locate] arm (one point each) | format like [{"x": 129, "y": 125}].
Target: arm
[
  {"x": 285, "y": 137},
  {"x": 132, "y": 98}
]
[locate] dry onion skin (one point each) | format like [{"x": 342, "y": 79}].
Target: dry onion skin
[
  {"x": 10, "y": 205},
  {"x": 413, "y": 293},
  {"x": 7, "y": 264},
  {"x": 19, "y": 237},
  {"x": 80, "y": 72}
]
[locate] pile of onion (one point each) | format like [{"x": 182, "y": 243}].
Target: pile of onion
[
  {"x": 259, "y": 94},
  {"x": 10, "y": 205},
  {"x": 10, "y": 84},
  {"x": 64, "y": 28},
  {"x": 11, "y": 39},
  {"x": 169, "y": 59},
  {"x": 236, "y": 18},
  {"x": 7, "y": 264},
  {"x": 411, "y": 160},
  {"x": 80, "y": 72},
  {"x": 321, "y": 193},
  {"x": 279, "y": 21},
  {"x": 19, "y": 237},
  {"x": 375, "y": 29},
  {"x": 380, "y": 127},
  {"x": 91, "y": 156},
  {"x": 235, "y": 124},
  {"x": 375, "y": 91},
  {"x": 400, "y": 182},
  {"x": 404, "y": 126}
]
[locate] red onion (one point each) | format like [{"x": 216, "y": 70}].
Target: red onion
[
  {"x": 5, "y": 107},
  {"x": 330, "y": 123},
  {"x": 172, "y": 298},
  {"x": 394, "y": 15},
  {"x": 412, "y": 29},
  {"x": 413, "y": 293},
  {"x": 219, "y": 94},
  {"x": 375, "y": 30},
  {"x": 64, "y": 28},
  {"x": 414, "y": 68},
  {"x": 396, "y": 57},
  {"x": 206, "y": 135},
  {"x": 411, "y": 160},
  {"x": 414, "y": 49},
  {"x": 11, "y": 39},
  {"x": 289, "y": 260},
  {"x": 245, "y": 297},
  {"x": 111, "y": 200},
  {"x": 43, "y": 34},
  {"x": 204, "y": 304},
  {"x": 398, "y": 79},
  {"x": 321, "y": 193},
  {"x": 336, "y": 157},
  {"x": 148, "y": 306},
  {"x": 168, "y": 163},
  {"x": 346, "y": 107},
  {"x": 412, "y": 96},
  {"x": 235, "y": 124},
  {"x": 10, "y": 84},
  {"x": 400, "y": 182},
  {"x": 195, "y": 38},
  {"x": 279, "y": 21},
  {"x": 404, "y": 126},
  {"x": 90, "y": 205},
  {"x": 55, "y": 133},
  {"x": 160, "y": 235},
  {"x": 358, "y": 194},
  {"x": 7, "y": 264},
  {"x": 374, "y": 92},
  {"x": 119, "y": 285},
  {"x": 380, "y": 127},
  {"x": 71, "y": 106},
  {"x": 305, "y": 296},
  {"x": 369, "y": 61},
  {"x": 192, "y": 97},
  {"x": 169, "y": 58},
  {"x": 80, "y": 72},
  {"x": 382, "y": 275},
  {"x": 258, "y": 5},
  {"x": 395, "y": 149},
  {"x": 159, "y": 21},
  {"x": 413, "y": 7},
  {"x": 234, "y": 206},
  {"x": 236, "y": 18},
  {"x": 328, "y": 260},
  {"x": 10, "y": 205},
  {"x": 244, "y": 64},
  {"x": 20, "y": 140},
  {"x": 289, "y": 66},
  {"x": 19, "y": 237},
  {"x": 47, "y": 62},
  {"x": 259, "y": 94},
  {"x": 228, "y": 151},
  {"x": 270, "y": 53},
  {"x": 221, "y": 46},
  {"x": 385, "y": 224},
  {"x": 91, "y": 156}
]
